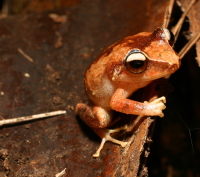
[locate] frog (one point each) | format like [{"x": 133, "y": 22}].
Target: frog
[{"x": 120, "y": 70}]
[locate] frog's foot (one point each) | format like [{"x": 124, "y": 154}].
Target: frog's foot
[
  {"x": 156, "y": 106},
  {"x": 104, "y": 134}
]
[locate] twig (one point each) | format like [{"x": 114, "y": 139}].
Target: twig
[
  {"x": 168, "y": 14},
  {"x": 188, "y": 46},
  {"x": 61, "y": 173},
  {"x": 25, "y": 55},
  {"x": 31, "y": 117},
  {"x": 178, "y": 26}
]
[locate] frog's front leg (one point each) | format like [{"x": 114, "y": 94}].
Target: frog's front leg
[
  {"x": 120, "y": 103},
  {"x": 98, "y": 118}
]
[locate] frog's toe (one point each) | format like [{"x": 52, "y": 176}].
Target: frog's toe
[{"x": 158, "y": 100}]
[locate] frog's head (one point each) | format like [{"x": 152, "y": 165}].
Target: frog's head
[{"x": 148, "y": 56}]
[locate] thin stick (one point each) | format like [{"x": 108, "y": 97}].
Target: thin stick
[
  {"x": 178, "y": 26},
  {"x": 31, "y": 117},
  {"x": 61, "y": 173},
  {"x": 168, "y": 14},
  {"x": 25, "y": 55},
  {"x": 188, "y": 46}
]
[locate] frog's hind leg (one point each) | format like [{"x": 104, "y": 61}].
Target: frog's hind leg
[
  {"x": 93, "y": 116},
  {"x": 104, "y": 134},
  {"x": 98, "y": 118}
]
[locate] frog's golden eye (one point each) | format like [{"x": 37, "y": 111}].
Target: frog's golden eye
[
  {"x": 169, "y": 35},
  {"x": 136, "y": 61}
]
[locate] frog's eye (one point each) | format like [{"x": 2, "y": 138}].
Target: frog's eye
[
  {"x": 136, "y": 61},
  {"x": 169, "y": 35}
]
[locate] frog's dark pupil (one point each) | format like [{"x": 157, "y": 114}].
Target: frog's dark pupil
[{"x": 136, "y": 64}]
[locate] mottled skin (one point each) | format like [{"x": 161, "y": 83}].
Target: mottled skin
[{"x": 109, "y": 84}]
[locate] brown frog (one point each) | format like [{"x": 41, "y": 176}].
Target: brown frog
[{"x": 120, "y": 70}]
